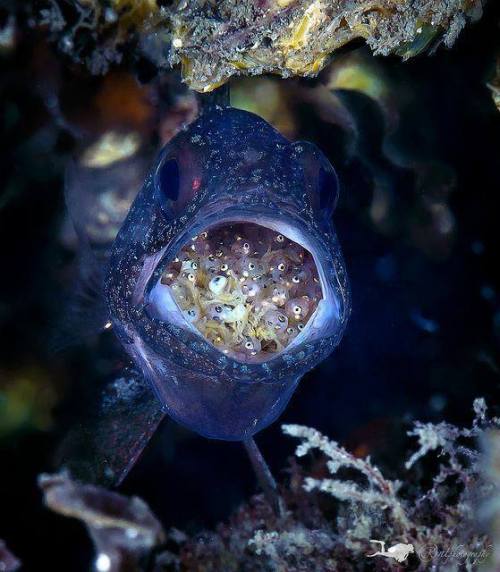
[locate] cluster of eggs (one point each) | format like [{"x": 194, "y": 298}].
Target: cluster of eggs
[{"x": 247, "y": 289}]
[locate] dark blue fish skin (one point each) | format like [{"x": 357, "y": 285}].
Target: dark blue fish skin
[{"x": 228, "y": 165}]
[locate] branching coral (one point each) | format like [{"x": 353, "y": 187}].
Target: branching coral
[
  {"x": 434, "y": 525},
  {"x": 490, "y": 510},
  {"x": 380, "y": 491}
]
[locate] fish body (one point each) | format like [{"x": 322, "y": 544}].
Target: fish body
[{"x": 229, "y": 165}]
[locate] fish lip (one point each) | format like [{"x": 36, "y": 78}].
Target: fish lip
[{"x": 290, "y": 226}]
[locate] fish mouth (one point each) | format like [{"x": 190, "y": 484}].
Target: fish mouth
[{"x": 253, "y": 290}]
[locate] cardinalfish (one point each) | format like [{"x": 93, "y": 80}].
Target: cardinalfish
[{"x": 226, "y": 282}]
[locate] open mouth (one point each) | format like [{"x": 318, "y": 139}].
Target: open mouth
[{"x": 248, "y": 290}]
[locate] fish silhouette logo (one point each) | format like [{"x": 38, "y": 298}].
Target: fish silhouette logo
[{"x": 399, "y": 552}]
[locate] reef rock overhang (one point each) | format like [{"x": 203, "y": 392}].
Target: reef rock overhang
[{"x": 214, "y": 41}]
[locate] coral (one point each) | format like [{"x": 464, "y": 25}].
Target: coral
[
  {"x": 436, "y": 527},
  {"x": 489, "y": 512},
  {"x": 213, "y": 41},
  {"x": 427, "y": 527},
  {"x": 96, "y": 33},
  {"x": 296, "y": 37},
  {"x": 380, "y": 491},
  {"x": 123, "y": 530}
]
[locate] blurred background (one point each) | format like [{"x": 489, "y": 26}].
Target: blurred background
[{"x": 416, "y": 146}]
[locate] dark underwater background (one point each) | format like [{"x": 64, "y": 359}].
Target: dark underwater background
[{"x": 417, "y": 149}]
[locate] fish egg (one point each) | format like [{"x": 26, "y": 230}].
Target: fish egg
[
  {"x": 217, "y": 284},
  {"x": 247, "y": 289}
]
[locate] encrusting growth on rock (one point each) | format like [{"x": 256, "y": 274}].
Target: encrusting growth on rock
[{"x": 213, "y": 41}]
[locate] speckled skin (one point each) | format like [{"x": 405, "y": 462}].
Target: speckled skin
[{"x": 232, "y": 165}]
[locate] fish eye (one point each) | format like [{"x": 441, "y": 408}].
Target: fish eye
[
  {"x": 249, "y": 345},
  {"x": 218, "y": 309},
  {"x": 297, "y": 310},
  {"x": 168, "y": 178},
  {"x": 175, "y": 183},
  {"x": 194, "y": 266},
  {"x": 251, "y": 266},
  {"x": 281, "y": 266},
  {"x": 295, "y": 279},
  {"x": 300, "y": 327},
  {"x": 224, "y": 267},
  {"x": 280, "y": 238}
]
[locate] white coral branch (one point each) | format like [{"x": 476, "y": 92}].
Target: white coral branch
[
  {"x": 380, "y": 491},
  {"x": 444, "y": 437}
]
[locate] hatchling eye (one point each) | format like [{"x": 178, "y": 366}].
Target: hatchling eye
[{"x": 217, "y": 284}]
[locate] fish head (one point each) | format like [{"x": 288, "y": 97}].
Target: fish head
[{"x": 230, "y": 210}]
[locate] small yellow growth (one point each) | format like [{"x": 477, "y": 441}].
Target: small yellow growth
[
  {"x": 141, "y": 8},
  {"x": 111, "y": 147},
  {"x": 240, "y": 65},
  {"x": 212, "y": 86},
  {"x": 134, "y": 12},
  {"x": 356, "y": 77},
  {"x": 186, "y": 67},
  {"x": 309, "y": 22},
  {"x": 299, "y": 67}
]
